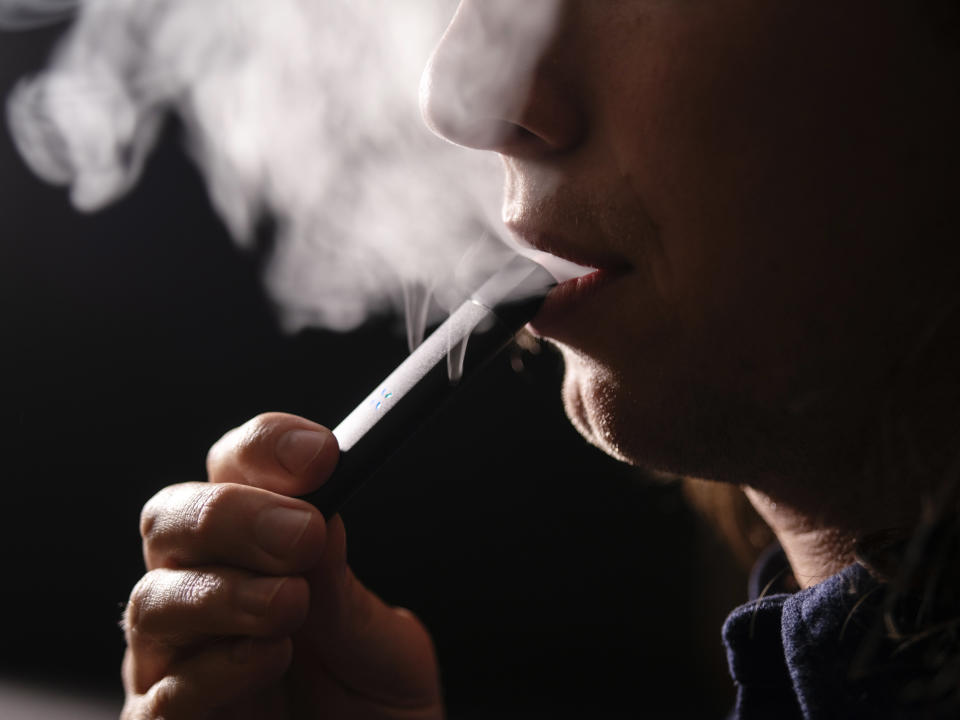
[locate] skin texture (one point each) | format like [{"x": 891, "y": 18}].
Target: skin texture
[
  {"x": 243, "y": 616},
  {"x": 769, "y": 188},
  {"x": 772, "y": 183}
]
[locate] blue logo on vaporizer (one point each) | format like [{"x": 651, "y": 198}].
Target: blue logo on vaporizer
[{"x": 380, "y": 399}]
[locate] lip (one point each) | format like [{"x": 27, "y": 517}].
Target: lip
[
  {"x": 570, "y": 295},
  {"x": 558, "y": 245}
]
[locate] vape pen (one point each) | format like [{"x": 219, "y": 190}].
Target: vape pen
[{"x": 473, "y": 334}]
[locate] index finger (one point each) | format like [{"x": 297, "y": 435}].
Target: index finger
[{"x": 282, "y": 453}]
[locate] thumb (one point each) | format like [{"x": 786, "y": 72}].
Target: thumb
[{"x": 380, "y": 652}]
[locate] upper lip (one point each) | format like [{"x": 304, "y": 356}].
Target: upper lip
[{"x": 562, "y": 246}]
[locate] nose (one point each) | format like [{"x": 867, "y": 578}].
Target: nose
[{"x": 496, "y": 81}]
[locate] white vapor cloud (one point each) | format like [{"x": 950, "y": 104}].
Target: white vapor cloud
[
  {"x": 302, "y": 110},
  {"x": 27, "y": 14}
]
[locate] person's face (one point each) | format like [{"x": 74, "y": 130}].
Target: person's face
[{"x": 767, "y": 183}]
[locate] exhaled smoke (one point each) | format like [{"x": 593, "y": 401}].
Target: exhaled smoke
[
  {"x": 303, "y": 110},
  {"x": 26, "y": 14}
]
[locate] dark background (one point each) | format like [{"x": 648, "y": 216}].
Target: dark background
[{"x": 557, "y": 583}]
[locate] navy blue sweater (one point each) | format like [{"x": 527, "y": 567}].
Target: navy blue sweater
[{"x": 825, "y": 652}]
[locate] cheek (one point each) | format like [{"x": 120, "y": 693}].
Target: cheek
[
  {"x": 685, "y": 136},
  {"x": 735, "y": 133},
  {"x": 750, "y": 153}
]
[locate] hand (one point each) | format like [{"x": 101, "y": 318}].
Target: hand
[{"x": 249, "y": 609}]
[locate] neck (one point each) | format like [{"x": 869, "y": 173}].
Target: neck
[
  {"x": 816, "y": 550},
  {"x": 861, "y": 485},
  {"x": 820, "y": 525}
]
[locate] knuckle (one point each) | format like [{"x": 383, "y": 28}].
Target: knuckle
[
  {"x": 140, "y": 604},
  {"x": 162, "y": 592},
  {"x": 264, "y": 422},
  {"x": 133, "y": 709},
  {"x": 253, "y": 435},
  {"x": 204, "y": 513},
  {"x": 148, "y": 520},
  {"x": 151, "y": 516},
  {"x": 184, "y": 523},
  {"x": 160, "y": 514},
  {"x": 241, "y": 446},
  {"x": 194, "y": 588},
  {"x": 219, "y": 449},
  {"x": 162, "y": 699}
]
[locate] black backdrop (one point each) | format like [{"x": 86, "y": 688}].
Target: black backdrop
[{"x": 557, "y": 582}]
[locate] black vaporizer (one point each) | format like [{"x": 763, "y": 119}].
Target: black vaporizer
[{"x": 486, "y": 324}]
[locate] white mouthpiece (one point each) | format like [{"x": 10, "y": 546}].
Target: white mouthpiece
[{"x": 561, "y": 269}]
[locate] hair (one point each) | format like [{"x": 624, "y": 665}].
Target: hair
[
  {"x": 726, "y": 509},
  {"x": 918, "y": 617},
  {"x": 913, "y": 617}
]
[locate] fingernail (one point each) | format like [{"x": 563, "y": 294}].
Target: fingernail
[
  {"x": 255, "y": 596},
  {"x": 296, "y": 449},
  {"x": 278, "y": 529}
]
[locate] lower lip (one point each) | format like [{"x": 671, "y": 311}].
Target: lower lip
[{"x": 569, "y": 295}]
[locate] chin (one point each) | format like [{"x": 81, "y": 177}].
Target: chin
[
  {"x": 654, "y": 426},
  {"x": 590, "y": 397}
]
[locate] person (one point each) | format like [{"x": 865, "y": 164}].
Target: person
[{"x": 769, "y": 192}]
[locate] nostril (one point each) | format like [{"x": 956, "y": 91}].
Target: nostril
[
  {"x": 522, "y": 134},
  {"x": 494, "y": 82},
  {"x": 510, "y": 119},
  {"x": 517, "y": 141}
]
